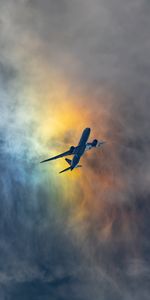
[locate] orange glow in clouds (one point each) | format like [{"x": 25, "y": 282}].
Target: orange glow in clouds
[
  {"x": 61, "y": 115},
  {"x": 85, "y": 190}
]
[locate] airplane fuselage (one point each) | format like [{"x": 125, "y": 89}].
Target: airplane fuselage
[
  {"x": 77, "y": 151},
  {"x": 80, "y": 149}
]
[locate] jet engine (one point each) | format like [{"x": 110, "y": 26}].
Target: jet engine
[
  {"x": 94, "y": 143},
  {"x": 72, "y": 149}
]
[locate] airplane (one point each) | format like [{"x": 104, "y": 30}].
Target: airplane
[{"x": 77, "y": 151}]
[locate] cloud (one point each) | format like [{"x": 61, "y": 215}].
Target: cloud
[{"x": 65, "y": 64}]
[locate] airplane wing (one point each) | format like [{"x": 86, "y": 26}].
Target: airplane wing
[{"x": 69, "y": 152}]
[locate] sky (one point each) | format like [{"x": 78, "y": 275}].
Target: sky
[{"x": 66, "y": 65}]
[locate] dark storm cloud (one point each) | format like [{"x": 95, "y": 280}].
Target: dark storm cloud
[
  {"x": 96, "y": 44},
  {"x": 38, "y": 258},
  {"x": 7, "y": 74},
  {"x": 107, "y": 40}
]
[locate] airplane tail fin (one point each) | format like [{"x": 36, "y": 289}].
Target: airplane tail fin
[
  {"x": 68, "y": 161},
  {"x": 67, "y": 169}
]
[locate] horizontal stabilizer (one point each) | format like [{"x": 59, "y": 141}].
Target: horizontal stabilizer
[{"x": 67, "y": 169}]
